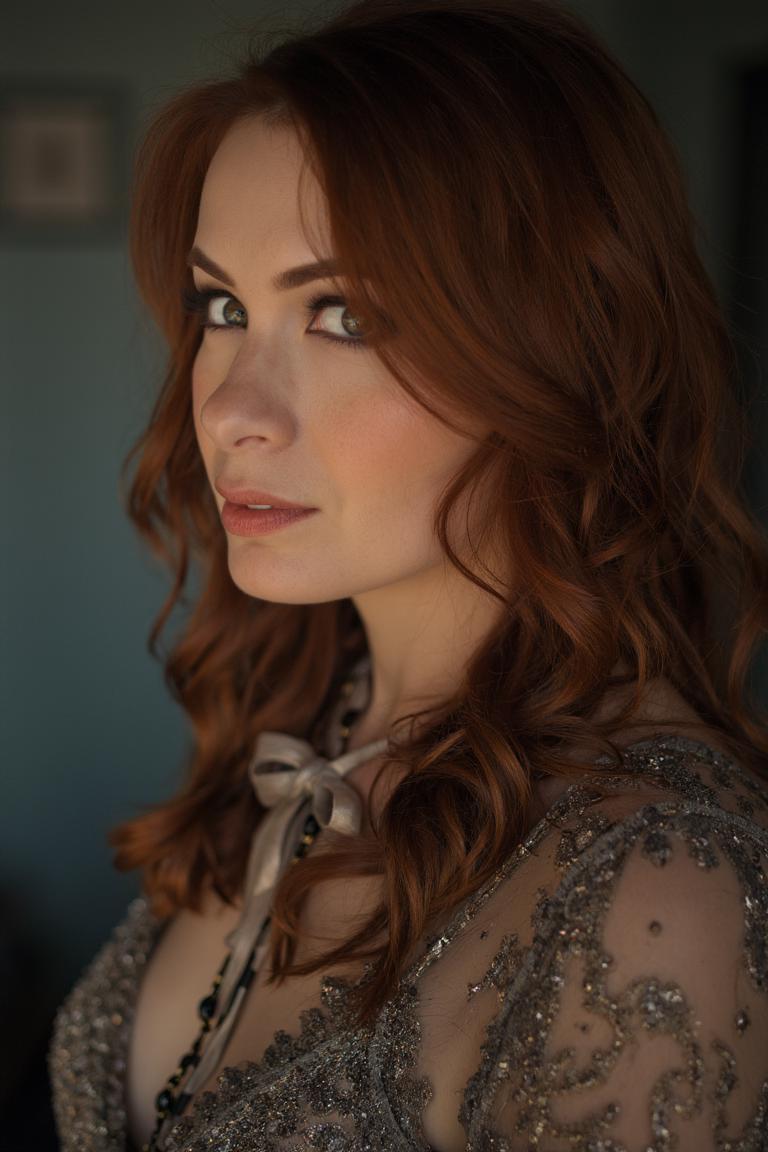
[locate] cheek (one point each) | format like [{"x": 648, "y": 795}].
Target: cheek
[{"x": 391, "y": 458}]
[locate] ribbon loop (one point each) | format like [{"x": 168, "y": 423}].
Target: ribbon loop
[{"x": 286, "y": 768}]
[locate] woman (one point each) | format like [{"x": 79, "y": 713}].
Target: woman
[{"x": 446, "y": 428}]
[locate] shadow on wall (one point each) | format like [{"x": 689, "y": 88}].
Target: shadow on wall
[{"x": 28, "y": 1001}]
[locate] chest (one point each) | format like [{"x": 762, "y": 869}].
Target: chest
[{"x": 180, "y": 972}]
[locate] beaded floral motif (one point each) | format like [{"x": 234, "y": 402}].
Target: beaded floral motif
[
  {"x": 571, "y": 924},
  {"x": 343, "y": 1089},
  {"x": 329, "y": 1069},
  {"x": 574, "y": 841},
  {"x": 505, "y": 962}
]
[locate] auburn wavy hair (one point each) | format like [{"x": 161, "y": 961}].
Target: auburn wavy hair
[{"x": 528, "y": 237}]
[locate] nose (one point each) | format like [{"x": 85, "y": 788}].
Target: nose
[{"x": 240, "y": 410}]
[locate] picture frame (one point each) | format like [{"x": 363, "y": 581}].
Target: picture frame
[{"x": 64, "y": 172}]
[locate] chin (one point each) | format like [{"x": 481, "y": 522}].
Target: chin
[{"x": 281, "y": 592}]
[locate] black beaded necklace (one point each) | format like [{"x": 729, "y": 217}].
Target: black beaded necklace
[{"x": 168, "y": 1103}]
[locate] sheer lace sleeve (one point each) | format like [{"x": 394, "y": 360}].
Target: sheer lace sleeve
[{"x": 638, "y": 1019}]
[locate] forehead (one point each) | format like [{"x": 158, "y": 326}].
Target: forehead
[{"x": 250, "y": 195}]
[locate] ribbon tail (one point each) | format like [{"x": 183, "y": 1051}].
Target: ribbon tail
[
  {"x": 263, "y": 865},
  {"x": 272, "y": 842},
  {"x": 215, "y": 1048},
  {"x": 272, "y": 839}
]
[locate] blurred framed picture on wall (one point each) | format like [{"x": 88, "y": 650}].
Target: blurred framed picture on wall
[{"x": 64, "y": 170}]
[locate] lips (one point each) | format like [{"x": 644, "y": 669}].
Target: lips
[{"x": 252, "y": 496}]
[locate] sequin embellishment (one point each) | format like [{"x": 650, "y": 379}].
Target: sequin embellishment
[{"x": 343, "y": 1089}]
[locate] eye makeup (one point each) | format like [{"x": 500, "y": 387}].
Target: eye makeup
[{"x": 196, "y": 302}]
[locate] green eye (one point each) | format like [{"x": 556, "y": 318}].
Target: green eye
[{"x": 197, "y": 303}]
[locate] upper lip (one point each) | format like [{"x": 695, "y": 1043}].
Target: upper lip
[{"x": 251, "y": 496}]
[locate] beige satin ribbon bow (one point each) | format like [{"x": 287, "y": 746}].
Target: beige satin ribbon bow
[
  {"x": 285, "y": 768},
  {"x": 284, "y": 771}
]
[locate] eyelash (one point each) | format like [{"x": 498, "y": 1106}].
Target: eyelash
[{"x": 196, "y": 302}]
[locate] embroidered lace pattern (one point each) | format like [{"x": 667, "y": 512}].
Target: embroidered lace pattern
[{"x": 606, "y": 991}]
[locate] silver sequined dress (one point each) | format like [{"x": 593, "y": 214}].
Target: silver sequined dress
[{"x": 606, "y": 991}]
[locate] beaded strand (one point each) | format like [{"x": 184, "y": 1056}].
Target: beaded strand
[{"x": 167, "y": 1103}]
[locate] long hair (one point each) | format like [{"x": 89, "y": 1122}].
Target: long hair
[{"x": 528, "y": 253}]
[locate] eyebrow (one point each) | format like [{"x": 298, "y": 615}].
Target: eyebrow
[{"x": 284, "y": 281}]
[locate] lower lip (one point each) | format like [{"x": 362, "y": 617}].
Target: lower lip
[{"x": 243, "y": 521}]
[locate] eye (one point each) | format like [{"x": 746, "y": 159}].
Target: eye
[
  {"x": 320, "y": 304},
  {"x": 198, "y": 303}
]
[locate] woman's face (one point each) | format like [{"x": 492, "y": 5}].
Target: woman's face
[{"x": 280, "y": 407}]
